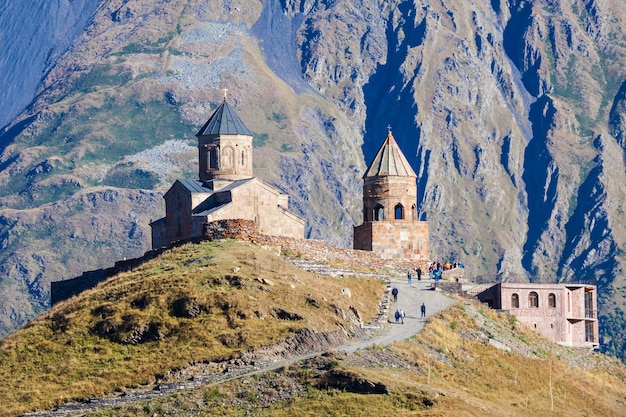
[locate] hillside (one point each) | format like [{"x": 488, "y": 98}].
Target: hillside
[
  {"x": 452, "y": 368},
  {"x": 512, "y": 113},
  {"x": 193, "y": 304},
  {"x": 209, "y": 307}
]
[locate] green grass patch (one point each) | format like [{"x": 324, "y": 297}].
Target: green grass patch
[
  {"x": 277, "y": 117},
  {"x": 286, "y": 147},
  {"x": 104, "y": 75},
  {"x": 259, "y": 139},
  {"x": 126, "y": 176},
  {"x": 156, "y": 47}
]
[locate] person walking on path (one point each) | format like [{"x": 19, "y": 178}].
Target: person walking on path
[
  {"x": 409, "y": 277},
  {"x": 419, "y": 274},
  {"x": 394, "y": 292},
  {"x": 402, "y": 316},
  {"x": 423, "y": 310},
  {"x": 397, "y": 316}
]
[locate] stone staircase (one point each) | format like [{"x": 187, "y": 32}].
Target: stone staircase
[{"x": 322, "y": 268}]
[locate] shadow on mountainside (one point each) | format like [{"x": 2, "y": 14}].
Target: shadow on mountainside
[{"x": 277, "y": 30}]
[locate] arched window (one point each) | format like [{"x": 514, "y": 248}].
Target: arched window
[
  {"x": 533, "y": 300},
  {"x": 213, "y": 158},
  {"x": 243, "y": 158},
  {"x": 551, "y": 300},
  {"x": 515, "y": 301},
  {"x": 399, "y": 212},
  {"x": 379, "y": 212},
  {"x": 413, "y": 212}
]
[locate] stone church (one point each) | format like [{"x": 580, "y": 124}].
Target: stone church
[
  {"x": 226, "y": 188},
  {"x": 391, "y": 228}
]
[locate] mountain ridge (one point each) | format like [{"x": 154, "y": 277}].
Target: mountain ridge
[{"x": 511, "y": 113}]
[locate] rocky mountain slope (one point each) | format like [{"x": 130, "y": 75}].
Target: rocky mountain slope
[{"x": 512, "y": 113}]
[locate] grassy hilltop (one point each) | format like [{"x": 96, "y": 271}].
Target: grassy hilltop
[{"x": 207, "y": 303}]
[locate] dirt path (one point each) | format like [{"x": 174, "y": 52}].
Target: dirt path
[{"x": 410, "y": 298}]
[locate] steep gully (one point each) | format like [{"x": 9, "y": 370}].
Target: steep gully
[
  {"x": 386, "y": 332},
  {"x": 280, "y": 55}
]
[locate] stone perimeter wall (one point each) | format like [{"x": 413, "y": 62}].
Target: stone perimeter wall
[
  {"x": 244, "y": 230},
  {"x": 317, "y": 250}
]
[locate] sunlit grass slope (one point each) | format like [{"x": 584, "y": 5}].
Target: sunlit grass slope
[
  {"x": 198, "y": 302},
  {"x": 449, "y": 369}
]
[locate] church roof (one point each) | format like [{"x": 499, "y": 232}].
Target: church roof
[
  {"x": 194, "y": 186},
  {"x": 224, "y": 121},
  {"x": 389, "y": 161}
]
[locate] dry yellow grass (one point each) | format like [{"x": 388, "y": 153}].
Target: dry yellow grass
[
  {"x": 210, "y": 301},
  {"x": 476, "y": 379},
  {"x": 448, "y": 369},
  {"x": 194, "y": 303}
]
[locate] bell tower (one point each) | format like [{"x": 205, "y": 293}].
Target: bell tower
[
  {"x": 390, "y": 220},
  {"x": 389, "y": 185},
  {"x": 224, "y": 147}
]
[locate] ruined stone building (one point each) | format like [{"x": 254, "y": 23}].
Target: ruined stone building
[
  {"x": 391, "y": 228},
  {"x": 226, "y": 188},
  {"x": 564, "y": 313}
]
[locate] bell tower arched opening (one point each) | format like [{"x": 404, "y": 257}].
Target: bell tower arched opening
[
  {"x": 398, "y": 212},
  {"x": 379, "y": 212}
]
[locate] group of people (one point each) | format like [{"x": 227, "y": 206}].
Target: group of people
[
  {"x": 436, "y": 269},
  {"x": 445, "y": 266},
  {"x": 400, "y": 314}
]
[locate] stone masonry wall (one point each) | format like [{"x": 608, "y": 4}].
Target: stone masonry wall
[
  {"x": 394, "y": 239},
  {"x": 244, "y": 230},
  {"x": 308, "y": 248}
]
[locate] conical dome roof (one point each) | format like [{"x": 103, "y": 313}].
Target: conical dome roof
[
  {"x": 224, "y": 121},
  {"x": 389, "y": 161}
]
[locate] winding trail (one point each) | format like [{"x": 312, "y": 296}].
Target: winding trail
[{"x": 410, "y": 298}]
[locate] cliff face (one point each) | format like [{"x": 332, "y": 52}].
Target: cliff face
[{"x": 512, "y": 113}]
